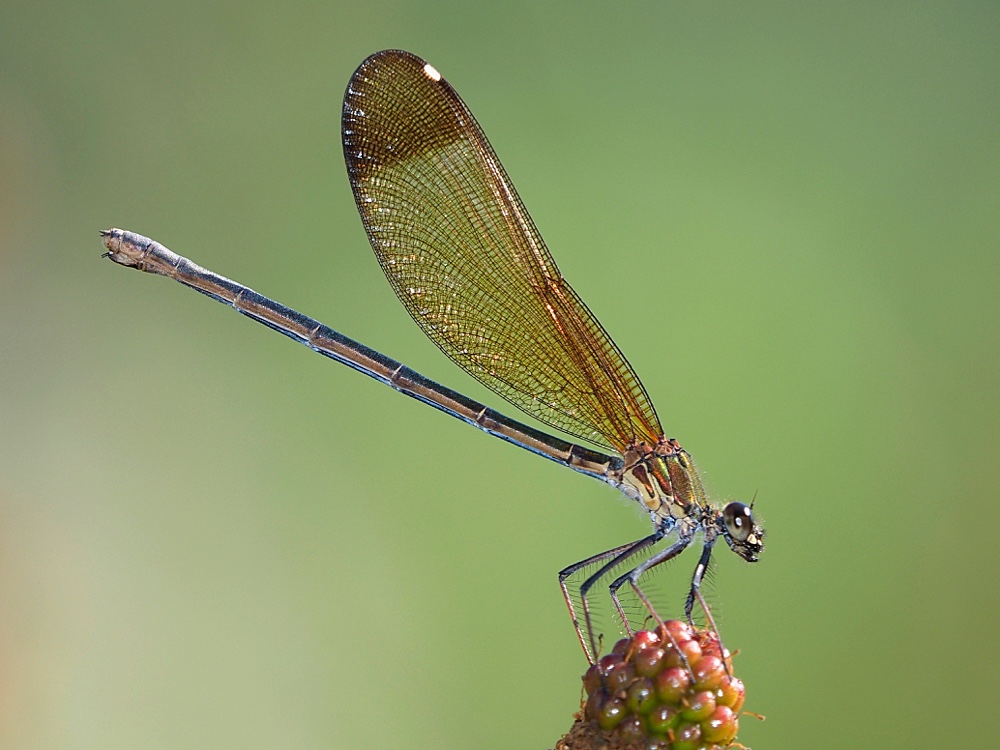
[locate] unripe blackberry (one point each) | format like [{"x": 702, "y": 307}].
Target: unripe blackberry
[{"x": 661, "y": 691}]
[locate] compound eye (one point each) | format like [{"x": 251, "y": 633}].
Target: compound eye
[{"x": 739, "y": 521}]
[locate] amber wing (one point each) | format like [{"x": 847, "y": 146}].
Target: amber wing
[{"x": 466, "y": 260}]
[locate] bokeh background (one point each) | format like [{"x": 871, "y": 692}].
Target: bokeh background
[{"x": 787, "y": 214}]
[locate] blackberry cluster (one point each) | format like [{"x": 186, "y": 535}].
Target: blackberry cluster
[{"x": 666, "y": 691}]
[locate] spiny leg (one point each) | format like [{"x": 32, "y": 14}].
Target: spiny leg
[
  {"x": 616, "y": 555},
  {"x": 699, "y": 574},
  {"x": 631, "y": 550},
  {"x": 695, "y": 593},
  {"x": 633, "y": 576},
  {"x": 628, "y": 551},
  {"x": 568, "y": 571}
]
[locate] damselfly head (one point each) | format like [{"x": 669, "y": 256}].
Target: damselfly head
[{"x": 743, "y": 535}]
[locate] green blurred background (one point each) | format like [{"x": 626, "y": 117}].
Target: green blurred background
[{"x": 787, "y": 214}]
